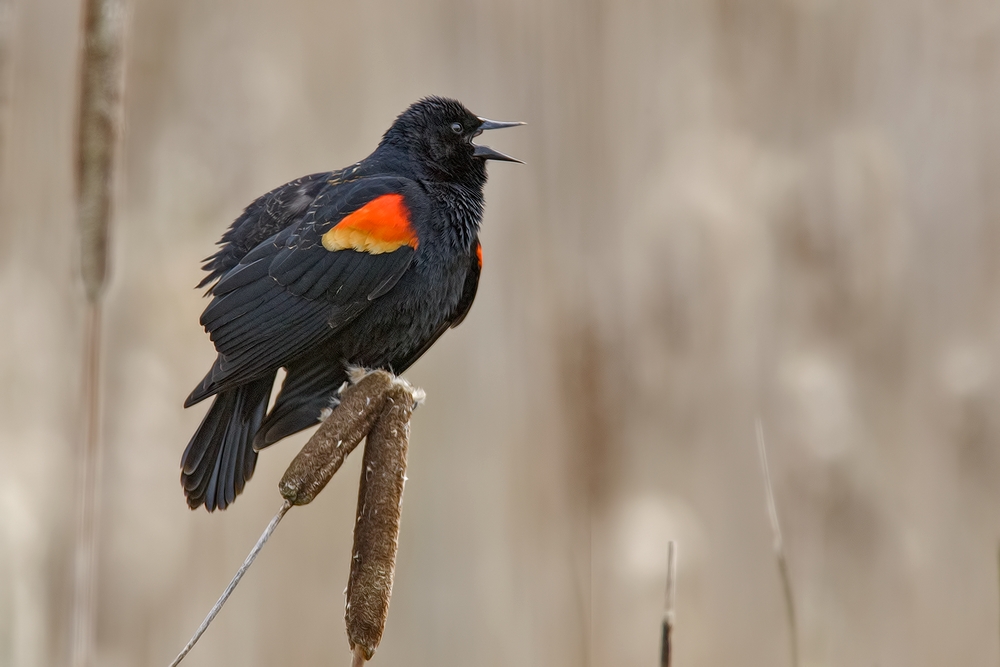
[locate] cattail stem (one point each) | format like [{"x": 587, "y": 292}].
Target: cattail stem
[
  {"x": 251, "y": 557},
  {"x": 666, "y": 641},
  {"x": 7, "y": 19},
  {"x": 779, "y": 548},
  {"x": 85, "y": 561}
]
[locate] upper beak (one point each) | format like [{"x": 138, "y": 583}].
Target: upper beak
[{"x": 488, "y": 153}]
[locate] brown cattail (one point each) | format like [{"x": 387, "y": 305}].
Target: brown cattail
[
  {"x": 312, "y": 468},
  {"x": 377, "y": 405},
  {"x": 376, "y": 530},
  {"x": 98, "y": 128}
]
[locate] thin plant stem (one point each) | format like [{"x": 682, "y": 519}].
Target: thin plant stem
[
  {"x": 7, "y": 20},
  {"x": 287, "y": 505},
  {"x": 779, "y": 548},
  {"x": 666, "y": 641},
  {"x": 84, "y": 598},
  {"x": 98, "y": 131}
]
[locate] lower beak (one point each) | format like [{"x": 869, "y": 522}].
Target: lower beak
[{"x": 488, "y": 153}]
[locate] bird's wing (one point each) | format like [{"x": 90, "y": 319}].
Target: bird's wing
[
  {"x": 304, "y": 283},
  {"x": 263, "y": 218}
]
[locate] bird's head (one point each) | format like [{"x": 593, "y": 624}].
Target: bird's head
[{"x": 438, "y": 133}]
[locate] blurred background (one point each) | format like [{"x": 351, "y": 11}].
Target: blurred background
[{"x": 730, "y": 208}]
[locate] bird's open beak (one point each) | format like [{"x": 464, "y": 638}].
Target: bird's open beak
[{"x": 488, "y": 153}]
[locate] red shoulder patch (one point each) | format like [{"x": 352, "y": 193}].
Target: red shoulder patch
[
  {"x": 381, "y": 225},
  {"x": 479, "y": 254}
]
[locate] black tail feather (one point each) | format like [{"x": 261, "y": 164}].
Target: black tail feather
[
  {"x": 292, "y": 419},
  {"x": 220, "y": 457},
  {"x": 308, "y": 389}
]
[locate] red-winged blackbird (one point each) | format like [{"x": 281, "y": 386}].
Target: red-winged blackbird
[{"x": 366, "y": 266}]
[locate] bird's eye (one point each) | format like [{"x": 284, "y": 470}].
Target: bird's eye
[{"x": 457, "y": 128}]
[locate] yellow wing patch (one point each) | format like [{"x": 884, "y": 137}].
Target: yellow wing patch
[{"x": 382, "y": 225}]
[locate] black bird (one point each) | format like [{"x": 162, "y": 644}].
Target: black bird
[{"x": 366, "y": 266}]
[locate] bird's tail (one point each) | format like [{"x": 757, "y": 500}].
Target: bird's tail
[{"x": 220, "y": 457}]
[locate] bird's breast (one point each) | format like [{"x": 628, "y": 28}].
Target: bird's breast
[{"x": 408, "y": 316}]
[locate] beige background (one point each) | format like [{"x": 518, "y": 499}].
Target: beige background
[{"x": 784, "y": 208}]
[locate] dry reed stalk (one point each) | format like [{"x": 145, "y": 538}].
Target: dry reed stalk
[
  {"x": 7, "y": 19},
  {"x": 251, "y": 557},
  {"x": 666, "y": 639},
  {"x": 98, "y": 131},
  {"x": 377, "y": 405},
  {"x": 88, "y": 481},
  {"x": 779, "y": 548}
]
